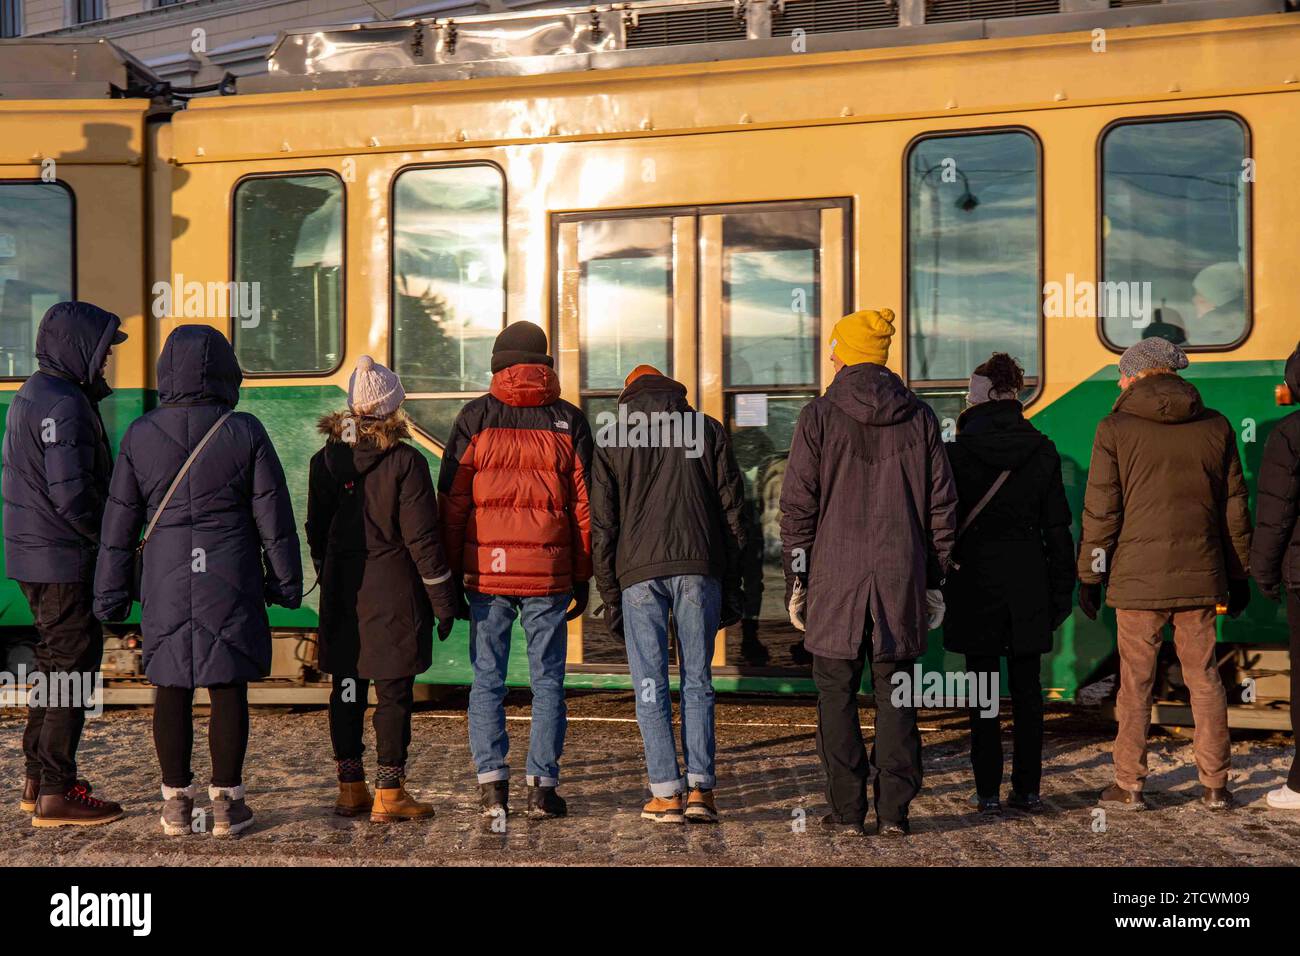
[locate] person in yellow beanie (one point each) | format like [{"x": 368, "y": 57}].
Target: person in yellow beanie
[
  {"x": 868, "y": 522},
  {"x": 863, "y": 336}
]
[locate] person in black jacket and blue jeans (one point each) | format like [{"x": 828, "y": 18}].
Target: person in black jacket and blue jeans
[
  {"x": 1275, "y": 550},
  {"x": 1012, "y": 582},
  {"x": 57, "y": 464},
  {"x": 667, "y": 535}
]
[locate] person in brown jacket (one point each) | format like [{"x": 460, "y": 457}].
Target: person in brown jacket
[{"x": 1166, "y": 527}]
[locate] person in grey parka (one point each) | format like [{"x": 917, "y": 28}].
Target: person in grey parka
[{"x": 868, "y": 520}]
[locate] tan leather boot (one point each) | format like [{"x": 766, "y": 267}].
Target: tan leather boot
[
  {"x": 395, "y": 804},
  {"x": 354, "y": 799}
]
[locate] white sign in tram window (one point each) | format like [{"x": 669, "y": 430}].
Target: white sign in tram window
[{"x": 751, "y": 409}]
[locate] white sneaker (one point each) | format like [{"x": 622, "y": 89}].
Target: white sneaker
[{"x": 1284, "y": 798}]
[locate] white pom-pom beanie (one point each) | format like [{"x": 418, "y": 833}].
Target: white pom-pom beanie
[{"x": 374, "y": 391}]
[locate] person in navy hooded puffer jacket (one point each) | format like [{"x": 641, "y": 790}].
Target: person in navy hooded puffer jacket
[
  {"x": 57, "y": 464},
  {"x": 224, "y": 549}
]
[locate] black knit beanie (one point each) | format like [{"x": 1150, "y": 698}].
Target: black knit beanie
[{"x": 520, "y": 343}]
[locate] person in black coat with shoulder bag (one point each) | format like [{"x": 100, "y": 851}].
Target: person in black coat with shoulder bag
[
  {"x": 372, "y": 526},
  {"x": 1013, "y": 575}
]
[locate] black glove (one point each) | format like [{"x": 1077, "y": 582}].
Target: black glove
[
  {"x": 1238, "y": 596},
  {"x": 581, "y": 592},
  {"x": 1272, "y": 592},
  {"x": 613, "y": 612},
  {"x": 445, "y": 624},
  {"x": 462, "y": 602},
  {"x": 1089, "y": 600},
  {"x": 1060, "y": 616},
  {"x": 443, "y": 597},
  {"x": 733, "y": 604}
]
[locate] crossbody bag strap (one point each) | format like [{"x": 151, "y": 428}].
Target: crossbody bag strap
[
  {"x": 162, "y": 505},
  {"x": 979, "y": 505}
]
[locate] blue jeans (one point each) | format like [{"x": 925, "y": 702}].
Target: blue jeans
[
  {"x": 491, "y": 619},
  {"x": 696, "y": 605}
]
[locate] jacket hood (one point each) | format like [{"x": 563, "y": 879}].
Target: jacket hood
[
  {"x": 526, "y": 385},
  {"x": 655, "y": 393},
  {"x": 74, "y": 339},
  {"x": 198, "y": 366},
  {"x": 872, "y": 394},
  {"x": 1165, "y": 398},
  {"x": 373, "y": 439},
  {"x": 1293, "y": 373},
  {"x": 998, "y": 434}
]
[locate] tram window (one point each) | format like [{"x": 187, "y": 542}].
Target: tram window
[
  {"x": 625, "y": 304},
  {"x": 289, "y": 247},
  {"x": 36, "y": 266},
  {"x": 1175, "y": 231},
  {"x": 448, "y": 287},
  {"x": 974, "y": 281}
]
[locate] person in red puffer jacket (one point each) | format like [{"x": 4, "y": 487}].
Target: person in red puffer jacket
[{"x": 516, "y": 524}]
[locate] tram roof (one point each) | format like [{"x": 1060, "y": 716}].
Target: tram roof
[
  {"x": 70, "y": 68},
  {"x": 657, "y": 32}
]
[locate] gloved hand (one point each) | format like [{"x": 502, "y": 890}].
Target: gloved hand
[
  {"x": 462, "y": 602},
  {"x": 934, "y": 608},
  {"x": 1238, "y": 596},
  {"x": 613, "y": 614},
  {"x": 798, "y": 604},
  {"x": 1273, "y": 593},
  {"x": 443, "y": 598},
  {"x": 581, "y": 594},
  {"x": 733, "y": 604},
  {"x": 1060, "y": 615},
  {"x": 1089, "y": 600}
]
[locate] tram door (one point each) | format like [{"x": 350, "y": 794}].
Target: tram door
[{"x": 728, "y": 300}]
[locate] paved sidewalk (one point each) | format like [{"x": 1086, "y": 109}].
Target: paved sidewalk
[{"x": 770, "y": 785}]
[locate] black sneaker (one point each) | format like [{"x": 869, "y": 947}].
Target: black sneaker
[
  {"x": 1026, "y": 802},
  {"x": 494, "y": 798},
  {"x": 988, "y": 806},
  {"x": 833, "y": 824},
  {"x": 545, "y": 804}
]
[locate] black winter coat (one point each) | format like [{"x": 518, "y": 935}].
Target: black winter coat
[
  {"x": 1014, "y": 565},
  {"x": 57, "y": 460},
  {"x": 657, "y": 512},
  {"x": 1275, "y": 549},
  {"x": 372, "y": 527},
  {"x": 225, "y": 546},
  {"x": 869, "y": 502}
]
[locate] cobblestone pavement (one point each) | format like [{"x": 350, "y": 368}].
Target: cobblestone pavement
[{"x": 769, "y": 785}]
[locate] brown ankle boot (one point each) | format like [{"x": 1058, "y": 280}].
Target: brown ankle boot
[
  {"x": 354, "y": 798},
  {"x": 395, "y": 804}
]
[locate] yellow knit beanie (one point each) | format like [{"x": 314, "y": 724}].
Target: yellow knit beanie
[{"x": 863, "y": 336}]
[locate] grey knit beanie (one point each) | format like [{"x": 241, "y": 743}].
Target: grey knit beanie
[
  {"x": 1151, "y": 353},
  {"x": 374, "y": 391}
]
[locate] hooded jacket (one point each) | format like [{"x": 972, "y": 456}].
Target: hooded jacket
[
  {"x": 1275, "y": 550},
  {"x": 869, "y": 508},
  {"x": 1166, "y": 521},
  {"x": 514, "y": 488},
  {"x": 57, "y": 460},
  {"x": 225, "y": 546},
  {"x": 661, "y": 511},
  {"x": 1014, "y": 566},
  {"x": 372, "y": 527}
]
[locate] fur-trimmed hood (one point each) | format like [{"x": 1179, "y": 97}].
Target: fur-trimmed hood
[{"x": 355, "y": 443}]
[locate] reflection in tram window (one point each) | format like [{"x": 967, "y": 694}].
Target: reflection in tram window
[
  {"x": 35, "y": 266},
  {"x": 289, "y": 241},
  {"x": 448, "y": 289},
  {"x": 1174, "y": 222},
  {"x": 974, "y": 284},
  {"x": 625, "y": 299},
  {"x": 771, "y": 269}
]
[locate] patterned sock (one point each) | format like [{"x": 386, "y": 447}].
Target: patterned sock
[
  {"x": 389, "y": 777},
  {"x": 351, "y": 771}
]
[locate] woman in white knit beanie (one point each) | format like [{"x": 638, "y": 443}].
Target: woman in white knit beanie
[{"x": 372, "y": 525}]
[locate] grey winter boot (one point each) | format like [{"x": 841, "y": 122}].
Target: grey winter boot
[
  {"x": 178, "y": 810},
  {"x": 230, "y": 814}
]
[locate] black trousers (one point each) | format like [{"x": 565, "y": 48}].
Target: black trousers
[
  {"x": 392, "y": 718},
  {"x": 1293, "y": 622},
  {"x": 71, "y": 642},
  {"x": 173, "y": 733},
  {"x": 1027, "y": 714},
  {"x": 895, "y": 751}
]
